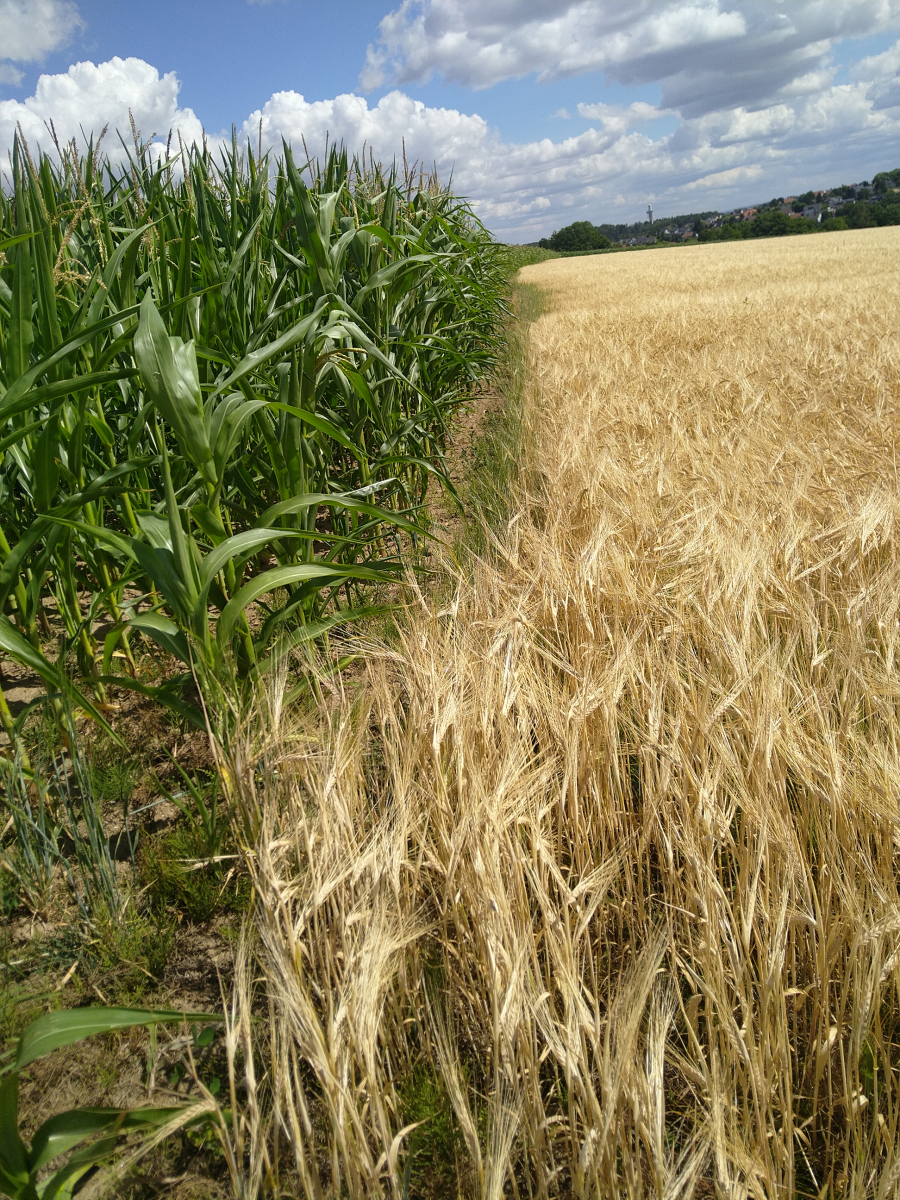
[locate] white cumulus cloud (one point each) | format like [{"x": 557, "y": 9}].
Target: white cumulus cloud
[
  {"x": 879, "y": 66},
  {"x": 616, "y": 118},
  {"x": 881, "y": 74},
  {"x": 726, "y": 179},
  {"x": 481, "y": 42},
  {"x": 813, "y": 81},
  {"x": 87, "y": 97},
  {"x": 31, "y": 29},
  {"x": 430, "y": 134}
]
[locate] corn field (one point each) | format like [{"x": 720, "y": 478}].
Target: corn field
[{"x": 225, "y": 386}]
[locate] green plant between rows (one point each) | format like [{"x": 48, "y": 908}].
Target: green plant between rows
[
  {"x": 97, "y": 1131},
  {"x": 57, "y": 834}
]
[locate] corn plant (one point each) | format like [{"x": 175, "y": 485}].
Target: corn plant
[
  {"x": 225, "y": 386},
  {"x": 97, "y": 1131}
]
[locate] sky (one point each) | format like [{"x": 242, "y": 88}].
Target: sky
[{"x": 542, "y": 112}]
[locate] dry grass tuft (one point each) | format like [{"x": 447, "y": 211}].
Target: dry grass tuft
[{"x": 608, "y": 848}]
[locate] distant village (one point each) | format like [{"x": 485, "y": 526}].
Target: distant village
[
  {"x": 815, "y": 206},
  {"x": 875, "y": 202}
]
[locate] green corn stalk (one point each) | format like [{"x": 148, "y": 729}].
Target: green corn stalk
[{"x": 88, "y": 1135}]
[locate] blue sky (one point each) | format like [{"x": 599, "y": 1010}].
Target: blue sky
[{"x": 545, "y": 111}]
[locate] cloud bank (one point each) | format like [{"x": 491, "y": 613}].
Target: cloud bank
[{"x": 706, "y": 54}]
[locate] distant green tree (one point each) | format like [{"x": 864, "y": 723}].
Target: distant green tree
[
  {"x": 731, "y": 231},
  {"x": 580, "y": 235},
  {"x": 887, "y": 212},
  {"x": 833, "y": 225},
  {"x": 777, "y": 224},
  {"x": 772, "y": 224},
  {"x": 858, "y": 215},
  {"x": 884, "y": 181}
]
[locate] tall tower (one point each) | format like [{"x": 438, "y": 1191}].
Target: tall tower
[{"x": 650, "y": 213}]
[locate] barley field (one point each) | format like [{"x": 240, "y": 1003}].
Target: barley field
[{"x": 589, "y": 887}]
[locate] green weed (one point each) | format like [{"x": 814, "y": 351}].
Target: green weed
[
  {"x": 525, "y": 256},
  {"x": 436, "y": 1147},
  {"x": 179, "y": 877},
  {"x": 130, "y": 950}
]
